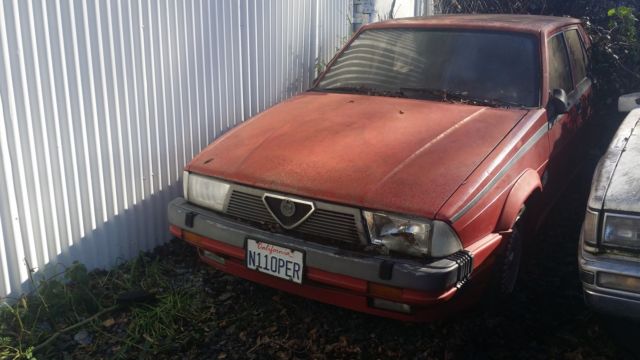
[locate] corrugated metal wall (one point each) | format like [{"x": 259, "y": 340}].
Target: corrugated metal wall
[{"x": 103, "y": 102}]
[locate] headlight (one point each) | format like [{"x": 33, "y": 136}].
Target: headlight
[
  {"x": 205, "y": 191},
  {"x": 621, "y": 231},
  {"x": 590, "y": 229},
  {"x": 412, "y": 236}
]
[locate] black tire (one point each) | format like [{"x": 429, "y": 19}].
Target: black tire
[
  {"x": 508, "y": 266},
  {"x": 510, "y": 262}
]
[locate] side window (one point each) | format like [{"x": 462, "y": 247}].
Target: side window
[
  {"x": 559, "y": 66},
  {"x": 576, "y": 52}
]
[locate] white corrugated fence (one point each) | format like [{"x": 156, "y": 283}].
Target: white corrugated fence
[{"x": 103, "y": 102}]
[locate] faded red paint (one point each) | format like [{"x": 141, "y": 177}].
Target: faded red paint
[
  {"x": 470, "y": 166},
  {"x": 401, "y": 155}
]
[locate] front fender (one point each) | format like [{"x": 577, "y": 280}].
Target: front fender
[{"x": 528, "y": 183}]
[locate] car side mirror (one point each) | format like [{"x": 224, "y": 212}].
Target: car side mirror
[
  {"x": 628, "y": 102},
  {"x": 559, "y": 102}
]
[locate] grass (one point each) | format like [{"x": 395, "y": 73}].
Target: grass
[
  {"x": 142, "y": 307},
  {"x": 165, "y": 320}
]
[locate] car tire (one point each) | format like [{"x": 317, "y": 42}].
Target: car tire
[{"x": 510, "y": 260}]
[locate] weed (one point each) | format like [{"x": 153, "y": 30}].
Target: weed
[
  {"x": 163, "y": 324},
  {"x": 54, "y": 304},
  {"x": 44, "y": 322}
]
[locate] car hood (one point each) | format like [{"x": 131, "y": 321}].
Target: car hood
[
  {"x": 623, "y": 190},
  {"x": 393, "y": 154}
]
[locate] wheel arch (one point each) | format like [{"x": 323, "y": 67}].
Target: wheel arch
[{"x": 528, "y": 184}]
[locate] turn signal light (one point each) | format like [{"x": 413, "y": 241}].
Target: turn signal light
[
  {"x": 384, "y": 291},
  {"x": 619, "y": 282},
  {"x": 192, "y": 238}
]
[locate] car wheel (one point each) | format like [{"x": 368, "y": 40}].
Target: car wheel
[
  {"x": 507, "y": 267},
  {"x": 509, "y": 263}
]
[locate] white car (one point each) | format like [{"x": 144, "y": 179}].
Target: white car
[{"x": 609, "y": 254}]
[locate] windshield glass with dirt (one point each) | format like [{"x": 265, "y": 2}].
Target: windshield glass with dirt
[{"x": 478, "y": 67}]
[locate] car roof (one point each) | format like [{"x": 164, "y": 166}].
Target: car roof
[{"x": 514, "y": 23}]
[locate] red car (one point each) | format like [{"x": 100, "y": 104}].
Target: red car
[{"x": 400, "y": 183}]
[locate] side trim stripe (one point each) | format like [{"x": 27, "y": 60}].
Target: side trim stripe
[{"x": 523, "y": 150}]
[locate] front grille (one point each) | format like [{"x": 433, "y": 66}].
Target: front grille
[
  {"x": 323, "y": 224},
  {"x": 248, "y": 207},
  {"x": 334, "y": 225}
]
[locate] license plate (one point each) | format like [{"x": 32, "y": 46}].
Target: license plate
[{"x": 275, "y": 260}]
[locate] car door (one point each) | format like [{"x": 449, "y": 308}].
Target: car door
[{"x": 563, "y": 127}]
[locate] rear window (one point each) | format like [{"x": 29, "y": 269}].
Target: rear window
[{"x": 479, "y": 64}]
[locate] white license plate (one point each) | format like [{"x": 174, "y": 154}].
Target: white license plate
[{"x": 275, "y": 260}]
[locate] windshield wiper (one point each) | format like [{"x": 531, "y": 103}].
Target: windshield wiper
[
  {"x": 423, "y": 93},
  {"x": 351, "y": 89},
  {"x": 355, "y": 89},
  {"x": 359, "y": 90},
  {"x": 464, "y": 97},
  {"x": 461, "y": 96},
  {"x": 426, "y": 93}
]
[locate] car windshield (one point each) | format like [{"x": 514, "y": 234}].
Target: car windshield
[{"x": 479, "y": 67}]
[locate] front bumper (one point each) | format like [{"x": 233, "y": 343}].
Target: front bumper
[
  {"x": 332, "y": 275},
  {"x": 607, "y": 300}
]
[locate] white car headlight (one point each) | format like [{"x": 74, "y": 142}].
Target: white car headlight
[
  {"x": 411, "y": 236},
  {"x": 205, "y": 191},
  {"x": 621, "y": 231}
]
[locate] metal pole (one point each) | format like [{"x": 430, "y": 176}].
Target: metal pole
[{"x": 428, "y": 8}]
